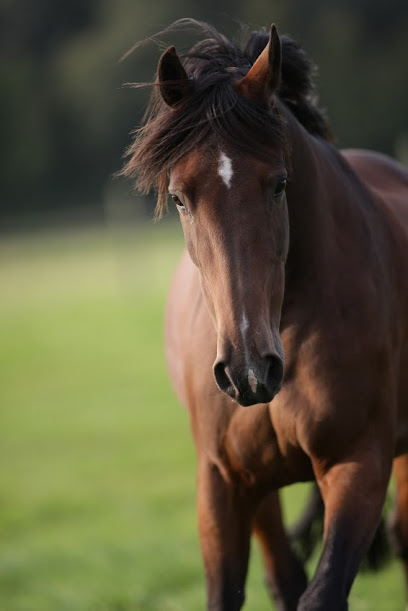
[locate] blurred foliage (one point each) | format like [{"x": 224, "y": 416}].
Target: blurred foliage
[{"x": 65, "y": 120}]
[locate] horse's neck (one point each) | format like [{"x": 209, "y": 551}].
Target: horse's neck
[{"x": 320, "y": 186}]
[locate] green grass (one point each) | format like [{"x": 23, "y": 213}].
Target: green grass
[{"x": 97, "y": 479}]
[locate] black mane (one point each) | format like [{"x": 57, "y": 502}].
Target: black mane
[{"x": 214, "y": 109}]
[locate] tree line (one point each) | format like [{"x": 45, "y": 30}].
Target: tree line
[{"x": 65, "y": 118}]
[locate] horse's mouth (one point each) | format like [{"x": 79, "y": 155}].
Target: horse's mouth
[{"x": 256, "y": 385}]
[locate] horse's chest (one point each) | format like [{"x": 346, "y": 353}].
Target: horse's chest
[{"x": 254, "y": 451}]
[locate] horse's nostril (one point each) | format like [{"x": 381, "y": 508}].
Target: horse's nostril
[
  {"x": 274, "y": 373},
  {"x": 223, "y": 381},
  {"x": 256, "y": 384}
]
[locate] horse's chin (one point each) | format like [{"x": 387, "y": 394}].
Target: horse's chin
[{"x": 249, "y": 398}]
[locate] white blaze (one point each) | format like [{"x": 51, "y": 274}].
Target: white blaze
[
  {"x": 225, "y": 169},
  {"x": 244, "y": 326},
  {"x": 252, "y": 381}
]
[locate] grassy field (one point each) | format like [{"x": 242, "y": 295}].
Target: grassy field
[{"x": 97, "y": 483}]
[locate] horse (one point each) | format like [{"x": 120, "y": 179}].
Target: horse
[
  {"x": 286, "y": 330},
  {"x": 305, "y": 534}
]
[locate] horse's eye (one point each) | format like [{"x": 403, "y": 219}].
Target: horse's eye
[
  {"x": 279, "y": 188},
  {"x": 177, "y": 201}
]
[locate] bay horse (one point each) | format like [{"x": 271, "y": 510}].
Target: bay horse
[{"x": 287, "y": 318}]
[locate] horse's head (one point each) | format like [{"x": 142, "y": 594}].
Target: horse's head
[
  {"x": 214, "y": 130},
  {"x": 232, "y": 206}
]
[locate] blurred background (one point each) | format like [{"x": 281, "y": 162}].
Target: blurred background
[
  {"x": 97, "y": 484},
  {"x": 65, "y": 119}
]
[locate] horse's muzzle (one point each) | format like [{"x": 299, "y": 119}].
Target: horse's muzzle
[{"x": 250, "y": 385}]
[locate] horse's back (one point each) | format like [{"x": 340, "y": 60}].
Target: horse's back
[
  {"x": 383, "y": 176},
  {"x": 387, "y": 180}
]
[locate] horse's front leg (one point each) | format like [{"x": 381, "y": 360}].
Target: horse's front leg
[
  {"x": 285, "y": 575},
  {"x": 353, "y": 491},
  {"x": 225, "y": 516}
]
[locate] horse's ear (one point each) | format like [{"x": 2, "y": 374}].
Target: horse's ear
[
  {"x": 263, "y": 78},
  {"x": 172, "y": 77}
]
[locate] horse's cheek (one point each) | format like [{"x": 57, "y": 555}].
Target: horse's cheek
[{"x": 190, "y": 241}]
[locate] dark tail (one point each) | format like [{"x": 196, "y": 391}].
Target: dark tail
[{"x": 307, "y": 532}]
